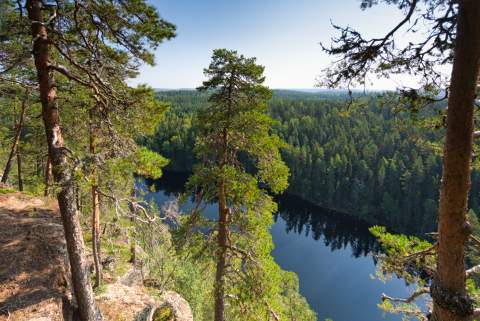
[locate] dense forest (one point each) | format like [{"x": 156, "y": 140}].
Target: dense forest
[
  {"x": 76, "y": 134},
  {"x": 370, "y": 160},
  {"x": 89, "y": 157}
]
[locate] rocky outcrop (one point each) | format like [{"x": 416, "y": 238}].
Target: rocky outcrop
[
  {"x": 127, "y": 299},
  {"x": 121, "y": 303},
  {"x": 34, "y": 283},
  {"x": 35, "y": 279}
]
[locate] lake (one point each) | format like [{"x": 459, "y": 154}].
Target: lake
[{"x": 332, "y": 254}]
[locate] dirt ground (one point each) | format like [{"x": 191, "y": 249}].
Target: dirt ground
[
  {"x": 34, "y": 275},
  {"x": 33, "y": 271}
]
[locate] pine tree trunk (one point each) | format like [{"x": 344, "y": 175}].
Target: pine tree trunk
[
  {"x": 78, "y": 198},
  {"x": 19, "y": 170},
  {"x": 222, "y": 254},
  {"x": 61, "y": 173},
  {"x": 133, "y": 241},
  {"x": 95, "y": 208},
  {"x": 48, "y": 176},
  {"x": 222, "y": 221},
  {"x": 451, "y": 302},
  {"x": 96, "y": 235},
  {"x": 16, "y": 141}
]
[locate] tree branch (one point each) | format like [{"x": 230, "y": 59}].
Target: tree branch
[
  {"x": 410, "y": 299},
  {"x": 473, "y": 270}
]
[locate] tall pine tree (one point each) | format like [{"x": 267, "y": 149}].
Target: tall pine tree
[{"x": 235, "y": 131}]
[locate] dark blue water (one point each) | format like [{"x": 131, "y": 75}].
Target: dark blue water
[{"x": 331, "y": 253}]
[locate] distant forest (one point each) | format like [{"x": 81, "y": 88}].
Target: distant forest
[{"x": 365, "y": 158}]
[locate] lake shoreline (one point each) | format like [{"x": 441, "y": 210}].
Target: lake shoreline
[
  {"x": 332, "y": 253},
  {"x": 179, "y": 178}
]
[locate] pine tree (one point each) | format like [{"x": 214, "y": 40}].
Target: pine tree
[
  {"x": 233, "y": 127},
  {"x": 96, "y": 45},
  {"x": 453, "y": 39}
]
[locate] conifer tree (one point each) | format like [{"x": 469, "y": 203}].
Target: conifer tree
[
  {"x": 234, "y": 127},
  {"x": 453, "y": 39},
  {"x": 97, "y": 45}
]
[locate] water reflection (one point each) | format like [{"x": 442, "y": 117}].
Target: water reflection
[
  {"x": 337, "y": 231},
  {"x": 171, "y": 183},
  {"x": 330, "y": 252}
]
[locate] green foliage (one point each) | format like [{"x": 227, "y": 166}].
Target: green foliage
[
  {"x": 233, "y": 127},
  {"x": 163, "y": 314},
  {"x": 148, "y": 163},
  {"x": 170, "y": 259},
  {"x": 405, "y": 257},
  {"x": 397, "y": 244},
  {"x": 99, "y": 46},
  {"x": 101, "y": 289},
  {"x": 400, "y": 256},
  {"x": 143, "y": 162},
  {"x": 372, "y": 160},
  {"x": 413, "y": 260},
  {"x": 7, "y": 190},
  {"x": 294, "y": 306},
  {"x": 32, "y": 141}
]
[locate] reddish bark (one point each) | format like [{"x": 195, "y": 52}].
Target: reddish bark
[
  {"x": 61, "y": 172},
  {"x": 451, "y": 302}
]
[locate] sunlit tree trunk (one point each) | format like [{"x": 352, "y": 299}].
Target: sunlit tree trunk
[
  {"x": 96, "y": 235},
  {"x": 48, "y": 176},
  {"x": 221, "y": 254},
  {"x": 451, "y": 302},
  {"x": 78, "y": 197},
  {"x": 222, "y": 237},
  {"x": 133, "y": 241},
  {"x": 61, "y": 173},
  {"x": 95, "y": 207}
]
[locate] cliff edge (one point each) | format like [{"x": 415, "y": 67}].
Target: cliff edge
[{"x": 35, "y": 278}]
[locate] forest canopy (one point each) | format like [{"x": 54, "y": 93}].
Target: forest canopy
[{"x": 379, "y": 162}]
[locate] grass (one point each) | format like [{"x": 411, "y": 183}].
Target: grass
[
  {"x": 101, "y": 289},
  {"x": 121, "y": 252},
  {"x": 7, "y": 190}
]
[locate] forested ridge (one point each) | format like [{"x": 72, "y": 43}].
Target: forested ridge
[
  {"x": 76, "y": 131},
  {"x": 372, "y": 160},
  {"x": 72, "y": 125}
]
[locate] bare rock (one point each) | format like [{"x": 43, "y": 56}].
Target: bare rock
[
  {"x": 131, "y": 303},
  {"x": 35, "y": 278},
  {"x": 179, "y": 306}
]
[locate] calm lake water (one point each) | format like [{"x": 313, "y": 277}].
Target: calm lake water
[{"x": 331, "y": 253}]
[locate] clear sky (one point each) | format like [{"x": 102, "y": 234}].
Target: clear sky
[{"x": 284, "y": 35}]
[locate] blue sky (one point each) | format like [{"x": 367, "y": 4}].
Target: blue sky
[{"x": 282, "y": 34}]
